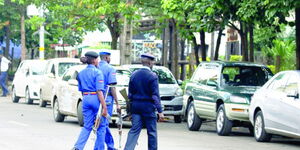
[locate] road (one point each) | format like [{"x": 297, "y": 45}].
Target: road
[{"x": 29, "y": 127}]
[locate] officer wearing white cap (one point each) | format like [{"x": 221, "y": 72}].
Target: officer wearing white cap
[{"x": 145, "y": 101}]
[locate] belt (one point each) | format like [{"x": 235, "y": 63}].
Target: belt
[{"x": 89, "y": 93}]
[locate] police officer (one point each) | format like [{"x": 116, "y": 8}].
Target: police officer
[
  {"x": 91, "y": 84},
  {"x": 145, "y": 100},
  {"x": 109, "y": 74}
]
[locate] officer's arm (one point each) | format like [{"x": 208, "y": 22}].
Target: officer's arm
[
  {"x": 100, "y": 89},
  {"x": 155, "y": 94}
]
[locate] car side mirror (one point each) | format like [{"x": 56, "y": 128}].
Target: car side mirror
[
  {"x": 179, "y": 82},
  {"x": 212, "y": 83},
  {"x": 73, "y": 82}
]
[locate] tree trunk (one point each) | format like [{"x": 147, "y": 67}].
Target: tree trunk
[
  {"x": 7, "y": 40},
  {"x": 203, "y": 49},
  {"x": 212, "y": 45},
  {"x": 218, "y": 44},
  {"x": 278, "y": 63},
  {"x": 166, "y": 37},
  {"x": 23, "y": 36},
  {"x": 182, "y": 57},
  {"x": 251, "y": 43},
  {"x": 196, "y": 50},
  {"x": 244, "y": 40},
  {"x": 298, "y": 37},
  {"x": 114, "y": 41},
  {"x": 174, "y": 64}
]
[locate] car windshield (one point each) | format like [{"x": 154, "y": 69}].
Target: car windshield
[
  {"x": 245, "y": 76},
  {"x": 38, "y": 68},
  {"x": 62, "y": 67},
  {"x": 164, "y": 76},
  {"x": 123, "y": 77}
]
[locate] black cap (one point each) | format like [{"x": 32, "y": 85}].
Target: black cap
[
  {"x": 91, "y": 54},
  {"x": 149, "y": 56}
]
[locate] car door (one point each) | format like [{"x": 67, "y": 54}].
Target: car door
[
  {"x": 49, "y": 82},
  {"x": 290, "y": 105},
  {"x": 65, "y": 92},
  {"x": 19, "y": 79},
  {"x": 272, "y": 105}
]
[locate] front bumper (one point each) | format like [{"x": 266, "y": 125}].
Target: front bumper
[
  {"x": 34, "y": 91},
  {"x": 237, "y": 112},
  {"x": 173, "y": 106}
]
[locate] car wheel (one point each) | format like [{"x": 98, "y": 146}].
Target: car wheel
[
  {"x": 41, "y": 102},
  {"x": 58, "y": 117},
  {"x": 79, "y": 114},
  {"x": 28, "y": 100},
  {"x": 259, "y": 129},
  {"x": 14, "y": 97},
  {"x": 177, "y": 119},
  {"x": 193, "y": 120},
  {"x": 223, "y": 124}
]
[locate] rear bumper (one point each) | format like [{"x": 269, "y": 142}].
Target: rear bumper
[{"x": 172, "y": 107}]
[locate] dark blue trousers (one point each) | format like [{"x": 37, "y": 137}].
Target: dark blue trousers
[
  {"x": 3, "y": 83},
  {"x": 141, "y": 117},
  {"x": 109, "y": 140}
]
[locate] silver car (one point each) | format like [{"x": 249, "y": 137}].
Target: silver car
[
  {"x": 171, "y": 94},
  {"x": 275, "y": 108}
]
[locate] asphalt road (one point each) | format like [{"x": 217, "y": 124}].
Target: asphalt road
[{"x": 29, "y": 127}]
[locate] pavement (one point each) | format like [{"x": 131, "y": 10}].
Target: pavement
[{"x": 29, "y": 127}]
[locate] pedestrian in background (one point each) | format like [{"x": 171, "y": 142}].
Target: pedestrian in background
[
  {"x": 109, "y": 74},
  {"x": 91, "y": 84},
  {"x": 145, "y": 100},
  {"x": 4, "y": 64}
]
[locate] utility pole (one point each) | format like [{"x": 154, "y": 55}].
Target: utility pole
[
  {"x": 41, "y": 35},
  {"x": 125, "y": 40}
]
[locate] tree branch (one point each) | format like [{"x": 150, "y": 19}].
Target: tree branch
[{"x": 234, "y": 26}]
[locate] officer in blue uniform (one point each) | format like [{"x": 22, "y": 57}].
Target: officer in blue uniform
[
  {"x": 91, "y": 84},
  {"x": 145, "y": 100},
  {"x": 109, "y": 74}
]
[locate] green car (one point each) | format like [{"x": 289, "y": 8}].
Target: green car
[{"x": 222, "y": 91}]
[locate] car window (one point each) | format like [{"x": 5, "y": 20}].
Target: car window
[
  {"x": 205, "y": 72},
  {"x": 164, "y": 76},
  {"x": 279, "y": 83},
  {"x": 68, "y": 75},
  {"x": 292, "y": 85},
  {"x": 123, "y": 77},
  {"x": 244, "y": 76},
  {"x": 62, "y": 67},
  {"x": 38, "y": 68},
  {"x": 75, "y": 74}
]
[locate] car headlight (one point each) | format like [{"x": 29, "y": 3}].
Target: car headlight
[
  {"x": 179, "y": 92},
  {"x": 237, "y": 99}
]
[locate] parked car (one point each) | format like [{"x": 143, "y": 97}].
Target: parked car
[
  {"x": 54, "y": 70},
  {"x": 68, "y": 100},
  {"x": 26, "y": 83},
  {"x": 221, "y": 91},
  {"x": 169, "y": 90},
  {"x": 275, "y": 108}
]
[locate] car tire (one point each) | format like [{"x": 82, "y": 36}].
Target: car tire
[
  {"x": 193, "y": 120},
  {"x": 260, "y": 133},
  {"x": 42, "y": 103},
  {"x": 79, "y": 113},
  {"x": 177, "y": 119},
  {"x": 58, "y": 117},
  {"x": 14, "y": 97},
  {"x": 28, "y": 100},
  {"x": 223, "y": 124}
]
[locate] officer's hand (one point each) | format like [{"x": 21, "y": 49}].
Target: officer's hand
[
  {"x": 161, "y": 117},
  {"x": 118, "y": 108},
  {"x": 104, "y": 112}
]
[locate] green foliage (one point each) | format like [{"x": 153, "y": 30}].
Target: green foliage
[
  {"x": 236, "y": 58},
  {"x": 101, "y": 46},
  {"x": 272, "y": 68}
]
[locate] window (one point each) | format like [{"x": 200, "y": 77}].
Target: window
[
  {"x": 68, "y": 75},
  {"x": 292, "y": 85},
  {"x": 123, "y": 77},
  {"x": 279, "y": 83},
  {"x": 205, "y": 72},
  {"x": 62, "y": 67},
  {"x": 164, "y": 76},
  {"x": 38, "y": 68}
]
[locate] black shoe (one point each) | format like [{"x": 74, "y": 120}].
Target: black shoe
[{"x": 74, "y": 148}]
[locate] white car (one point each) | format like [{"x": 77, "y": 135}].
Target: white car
[
  {"x": 171, "y": 94},
  {"x": 27, "y": 79},
  {"x": 55, "y": 68},
  {"x": 275, "y": 108},
  {"x": 68, "y": 100}
]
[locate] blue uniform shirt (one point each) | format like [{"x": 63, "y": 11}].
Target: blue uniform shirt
[
  {"x": 90, "y": 79},
  {"x": 109, "y": 73},
  {"x": 143, "y": 86}
]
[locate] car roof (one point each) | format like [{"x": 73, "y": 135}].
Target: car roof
[
  {"x": 234, "y": 63},
  {"x": 82, "y": 66},
  {"x": 65, "y": 60},
  {"x": 139, "y": 66}
]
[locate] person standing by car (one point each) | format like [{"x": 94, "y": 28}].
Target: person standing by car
[
  {"x": 4, "y": 64},
  {"x": 91, "y": 84},
  {"x": 109, "y": 74},
  {"x": 145, "y": 100}
]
